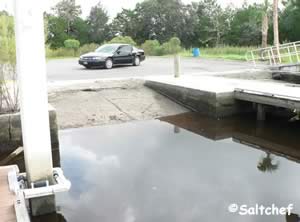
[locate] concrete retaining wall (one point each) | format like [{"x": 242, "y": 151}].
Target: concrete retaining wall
[
  {"x": 209, "y": 103},
  {"x": 289, "y": 68},
  {"x": 11, "y": 132},
  {"x": 288, "y": 73}
]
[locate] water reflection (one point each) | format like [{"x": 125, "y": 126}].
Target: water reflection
[
  {"x": 267, "y": 164},
  {"x": 292, "y": 218},
  {"x": 182, "y": 168},
  {"x": 275, "y": 136},
  {"x": 150, "y": 171},
  {"x": 55, "y": 217}
]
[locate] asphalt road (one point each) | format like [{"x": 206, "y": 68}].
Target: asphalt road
[{"x": 69, "y": 69}]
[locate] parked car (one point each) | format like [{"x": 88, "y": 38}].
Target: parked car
[{"x": 109, "y": 55}]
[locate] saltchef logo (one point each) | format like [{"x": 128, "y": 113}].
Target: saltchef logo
[{"x": 260, "y": 209}]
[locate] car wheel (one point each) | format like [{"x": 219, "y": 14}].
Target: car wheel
[
  {"x": 137, "y": 61},
  {"x": 108, "y": 64}
]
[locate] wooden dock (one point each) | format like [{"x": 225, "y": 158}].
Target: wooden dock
[
  {"x": 7, "y": 200},
  {"x": 285, "y": 96}
]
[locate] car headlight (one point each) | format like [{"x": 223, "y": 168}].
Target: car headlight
[
  {"x": 99, "y": 58},
  {"x": 80, "y": 57}
]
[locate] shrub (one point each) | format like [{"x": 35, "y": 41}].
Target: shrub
[
  {"x": 124, "y": 40},
  {"x": 72, "y": 44},
  {"x": 65, "y": 52},
  {"x": 8, "y": 77},
  {"x": 7, "y": 40},
  {"x": 173, "y": 46},
  {"x": 88, "y": 48},
  {"x": 9, "y": 90},
  {"x": 60, "y": 52},
  {"x": 152, "y": 48}
]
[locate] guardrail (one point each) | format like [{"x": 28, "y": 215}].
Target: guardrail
[{"x": 288, "y": 53}]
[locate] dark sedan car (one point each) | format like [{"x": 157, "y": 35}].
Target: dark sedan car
[{"x": 113, "y": 54}]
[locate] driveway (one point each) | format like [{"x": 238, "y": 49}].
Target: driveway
[{"x": 69, "y": 69}]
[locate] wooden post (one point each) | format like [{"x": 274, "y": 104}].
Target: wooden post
[
  {"x": 31, "y": 69},
  {"x": 177, "y": 66},
  {"x": 261, "y": 112}
]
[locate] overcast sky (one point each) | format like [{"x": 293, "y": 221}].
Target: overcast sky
[{"x": 113, "y": 6}]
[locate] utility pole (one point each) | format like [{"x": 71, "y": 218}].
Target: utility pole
[{"x": 31, "y": 70}]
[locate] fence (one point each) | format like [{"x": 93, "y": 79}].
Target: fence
[{"x": 288, "y": 53}]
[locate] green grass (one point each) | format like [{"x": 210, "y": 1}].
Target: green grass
[
  {"x": 288, "y": 60},
  {"x": 226, "y": 52},
  {"x": 62, "y": 53}
]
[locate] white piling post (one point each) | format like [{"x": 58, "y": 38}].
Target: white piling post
[
  {"x": 177, "y": 66},
  {"x": 31, "y": 69}
]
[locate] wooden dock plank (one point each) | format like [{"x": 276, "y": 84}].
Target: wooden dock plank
[
  {"x": 7, "y": 211},
  {"x": 272, "y": 100}
]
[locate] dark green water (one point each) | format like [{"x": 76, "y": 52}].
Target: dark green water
[{"x": 154, "y": 171}]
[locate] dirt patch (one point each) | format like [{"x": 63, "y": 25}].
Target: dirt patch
[{"x": 109, "y": 102}]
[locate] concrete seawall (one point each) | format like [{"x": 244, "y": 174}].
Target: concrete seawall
[
  {"x": 214, "y": 103},
  {"x": 222, "y": 97},
  {"x": 11, "y": 132},
  {"x": 289, "y": 73}
]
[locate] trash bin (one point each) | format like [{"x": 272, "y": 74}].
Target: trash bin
[{"x": 196, "y": 52}]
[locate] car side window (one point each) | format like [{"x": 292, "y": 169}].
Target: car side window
[{"x": 125, "y": 50}]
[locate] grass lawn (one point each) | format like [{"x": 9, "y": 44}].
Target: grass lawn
[{"x": 226, "y": 52}]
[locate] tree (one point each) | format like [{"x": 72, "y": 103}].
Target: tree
[
  {"x": 97, "y": 22},
  {"x": 153, "y": 19},
  {"x": 275, "y": 24},
  {"x": 162, "y": 19},
  {"x": 266, "y": 164},
  {"x": 80, "y": 31},
  {"x": 123, "y": 40},
  {"x": 66, "y": 24},
  {"x": 3, "y": 12},
  {"x": 265, "y": 25},
  {"x": 289, "y": 22},
  {"x": 213, "y": 22},
  {"x": 57, "y": 27},
  {"x": 126, "y": 24},
  {"x": 245, "y": 27},
  {"x": 67, "y": 10}
]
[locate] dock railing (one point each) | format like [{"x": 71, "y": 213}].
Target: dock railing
[{"x": 288, "y": 53}]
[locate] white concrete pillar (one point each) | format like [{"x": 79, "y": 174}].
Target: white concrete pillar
[{"x": 31, "y": 69}]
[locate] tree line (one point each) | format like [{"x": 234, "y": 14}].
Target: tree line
[{"x": 201, "y": 23}]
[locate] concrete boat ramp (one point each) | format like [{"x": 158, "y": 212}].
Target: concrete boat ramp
[{"x": 221, "y": 96}]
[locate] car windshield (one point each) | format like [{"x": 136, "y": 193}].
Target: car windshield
[{"x": 107, "y": 48}]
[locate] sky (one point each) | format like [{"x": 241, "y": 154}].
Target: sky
[{"x": 113, "y": 6}]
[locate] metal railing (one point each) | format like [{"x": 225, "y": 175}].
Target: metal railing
[{"x": 288, "y": 53}]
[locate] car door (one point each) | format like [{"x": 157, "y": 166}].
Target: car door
[{"x": 124, "y": 55}]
